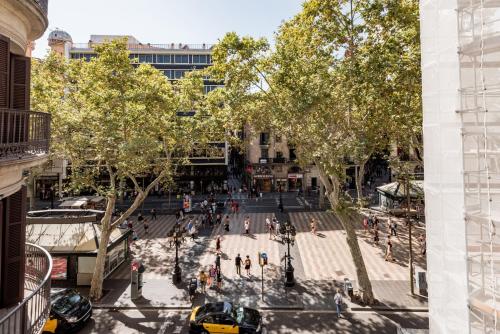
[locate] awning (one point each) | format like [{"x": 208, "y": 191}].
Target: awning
[{"x": 398, "y": 189}]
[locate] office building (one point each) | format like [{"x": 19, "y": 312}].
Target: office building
[{"x": 208, "y": 169}]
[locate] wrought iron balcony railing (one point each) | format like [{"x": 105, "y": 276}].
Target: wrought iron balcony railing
[
  {"x": 23, "y": 134},
  {"x": 29, "y": 316}
]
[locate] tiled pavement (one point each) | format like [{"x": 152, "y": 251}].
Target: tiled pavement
[{"x": 320, "y": 261}]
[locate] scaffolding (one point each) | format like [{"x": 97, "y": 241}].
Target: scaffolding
[{"x": 479, "y": 57}]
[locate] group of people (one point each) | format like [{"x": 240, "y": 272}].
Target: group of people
[{"x": 371, "y": 225}]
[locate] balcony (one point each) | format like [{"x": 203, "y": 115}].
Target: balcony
[
  {"x": 43, "y": 5},
  {"x": 29, "y": 316},
  {"x": 23, "y": 135}
]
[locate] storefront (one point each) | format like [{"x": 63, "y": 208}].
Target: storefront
[
  {"x": 72, "y": 238},
  {"x": 281, "y": 184},
  {"x": 295, "y": 181},
  {"x": 263, "y": 182}
]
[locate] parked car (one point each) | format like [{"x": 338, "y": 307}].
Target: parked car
[
  {"x": 224, "y": 317},
  {"x": 68, "y": 312}
]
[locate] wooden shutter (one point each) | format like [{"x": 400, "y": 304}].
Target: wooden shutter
[
  {"x": 12, "y": 288},
  {"x": 4, "y": 71},
  {"x": 20, "y": 95},
  {"x": 20, "y": 82}
]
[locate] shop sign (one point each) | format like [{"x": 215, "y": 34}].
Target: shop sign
[
  {"x": 263, "y": 161},
  {"x": 262, "y": 176},
  {"x": 295, "y": 176}
]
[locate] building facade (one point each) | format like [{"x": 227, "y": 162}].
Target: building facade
[
  {"x": 208, "y": 169},
  {"x": 462, "y": 163},
  {"x": 271, "y": 165},
  {"x": 24, "y": 143}
]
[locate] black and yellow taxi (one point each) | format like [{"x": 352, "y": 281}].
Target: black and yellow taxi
[
  {"x": 69, "y": 311},
  {"x": 224, "y": 317}
]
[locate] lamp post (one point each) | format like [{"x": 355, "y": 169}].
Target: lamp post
[
  {"x": 177, "y": 270},
  {"x": 289, "y": 230}
]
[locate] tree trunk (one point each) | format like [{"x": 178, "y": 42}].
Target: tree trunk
[
  {"x": 332, "y": 186},
  {"x": 98, "y": 276},
  {"x": 364, "y": 283},
  {"x": 359, "y": 175}
]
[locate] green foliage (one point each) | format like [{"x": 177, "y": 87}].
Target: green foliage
[
  {"x": 339, "y": 83},
  {"x": 116, "y": 120}
]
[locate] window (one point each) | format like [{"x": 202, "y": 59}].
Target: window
[
  {"x": 293, "y": 155},
  {"x": 279, "y": 154},
  {"x": 225, "y": 320},
  {"x": 181, "y": 59},
  {"x": 199, "y": 59},
  {"x": 209, "y": 320},
  {"x": 264, "y": 153},
  {"x": 168, "y": 74},
  {"x": 179, "y": 74},
  {"x": 145, "y": 58},
  {"x": 264, "y": 138},
  {"x": 277, "y": 139}
]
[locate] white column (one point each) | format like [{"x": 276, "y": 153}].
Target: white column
[{"x": 444, "y": 191}]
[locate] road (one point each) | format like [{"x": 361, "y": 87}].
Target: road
[{"x": 292, "y": 322}]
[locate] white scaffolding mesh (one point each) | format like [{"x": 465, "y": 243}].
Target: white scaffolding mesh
[{"x": 479, "y": 52}]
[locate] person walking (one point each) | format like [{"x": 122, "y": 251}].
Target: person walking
[
  {"x": 217, "y": 261},
  {"x": 370, "y": 221},
  {"x": 218, "y": 244},
  {"x": 192, "y": 232},
  {"x": 270, "y": 227},
  {"x": 226, "y": 223},
  {"x": 393, "y": 226},
  {"x": 248, "y": 265},
  {"x": 365, "y": 224},
  {"x": 211, "y": 275},
  {"x": 130, "y": 225},
  {"x": 203, "y": 281},
  {"x": 218, "y": 219},
  {"x": 375, "y": 235},
  {"x": 247, "y": 225},
  {"x": 313, "y": 226},
  {"x": 338, "y": 302},
  {"x": 276, "y": 226},
  {"x": 219, "y": 279},
  {"x": 237, "y": 262},
  {"x": 388, "y": 251},
  {"x": 422, "y": 242},
  {"x": 153, "y": 214},
  {"x": 146, "y": 226},
  {"x": 140, "y": 218}
]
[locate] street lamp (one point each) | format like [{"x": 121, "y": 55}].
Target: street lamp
[
  {"x": 177, "y": 239},
  {"x": 289, "y": 231}
]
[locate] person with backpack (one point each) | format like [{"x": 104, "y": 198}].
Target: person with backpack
[
  {"x": 237, "y": 262},
  {"x": 248, "y": 265},
  {"x": 338, "y": 303}
]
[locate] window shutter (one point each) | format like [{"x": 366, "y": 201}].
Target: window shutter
[
  {"x": 20, "y": 82},
  {"x": 14, "y": 248},
  {"x": 4, "y": 71}
]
